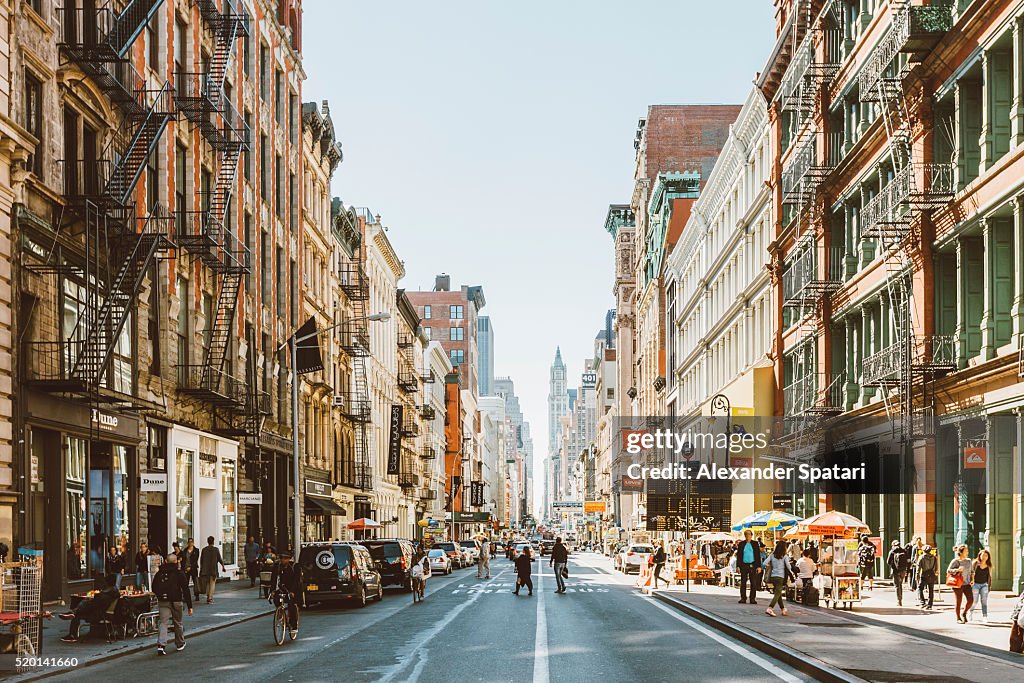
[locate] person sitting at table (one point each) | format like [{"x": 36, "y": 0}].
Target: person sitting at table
[
  {"x": 91, "y": 609},
  {"x": 115, "y": 565}
]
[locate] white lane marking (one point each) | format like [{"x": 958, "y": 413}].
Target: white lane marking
[
  {"x": 417, "y": 651},
  {"x": 540, "y": 648},
  {"x": 735, "y": 647}
]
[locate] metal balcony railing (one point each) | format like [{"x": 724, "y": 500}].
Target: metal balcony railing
[
  {"x": 410, "y": 427},
  {"x": 428, "y": 412},
  {"x": 919, "y": 186},
  {"x": 815, "y": 394},
  {"x": 428, "y": 453},
  {"x": 357, "y": 409},
  {"x": 428, "y": 494},
  {"x": 408, "y": 480},
  {"x": 214, "y": 386},
  {"x": 806, "y": 280},
  {"x": 354, "y": 339},
  {"x": 352, "y": 279},
  {"x": 915, "y": 29},
  {"x": 882, "y": 369},
  {"x": 804, "y": 172},
  {"x": 408, "y": 380}
]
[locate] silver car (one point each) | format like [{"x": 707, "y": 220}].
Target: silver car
[{"x": 439, "y": 561}]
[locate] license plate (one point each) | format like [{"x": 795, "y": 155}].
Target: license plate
[{"x": 312, "y": 587}]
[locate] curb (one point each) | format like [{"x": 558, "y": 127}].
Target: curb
[
  {"x": 140, "y": 647},
  {"x": 800, "y": 661}
]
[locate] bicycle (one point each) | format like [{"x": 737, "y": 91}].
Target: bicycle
[
  {"x": 418, "y": 585},
  {"x": 283, "y": 605}
]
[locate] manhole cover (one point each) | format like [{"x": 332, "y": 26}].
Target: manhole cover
[
  {"x": 900, "y": 677},
  {"x": 831, "y": 624}
]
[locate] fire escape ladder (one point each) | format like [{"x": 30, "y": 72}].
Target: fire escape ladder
[
  {"x": 105, "y": 326},
  {"x": 144, "y": 135},
  {"x": 129, "y": 24},
  {"x": 355, "y": 334}
]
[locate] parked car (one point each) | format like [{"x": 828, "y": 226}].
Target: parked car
[
  {"x": 632, "y": 557},
  {"x": 546, "y": 547},
  {"x": 520, "y": 547},
  {"x": 393, "y": 559},
  {"x": 498, "y": 548},
  {"x": 439, "y": 561},
  {"x": 454, "y": 553},
  {"x": 338, "y": 571}
]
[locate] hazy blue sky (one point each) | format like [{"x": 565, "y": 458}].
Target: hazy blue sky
[{"x": 491, "y": 137}]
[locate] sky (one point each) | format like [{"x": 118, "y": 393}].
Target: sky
[{"x": 492, "y": 136}]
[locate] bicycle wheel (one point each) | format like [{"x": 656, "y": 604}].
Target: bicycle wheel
[
  {"x": 280, "y": 624},
  {"x": 295, "y": 634}
]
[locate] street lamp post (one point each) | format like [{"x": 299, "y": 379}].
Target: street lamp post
[
  {"x": 721, "y": 402},
  {"x": 296, "y": 490}
]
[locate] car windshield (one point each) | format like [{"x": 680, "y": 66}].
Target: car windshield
[
  {"x": 435, "y": 552},
  {"x": 467, "y": 544},
  {"x": 642, "y": 549},
  {"x": 446, "y": 546}
]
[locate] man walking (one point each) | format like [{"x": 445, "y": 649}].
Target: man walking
[
  {"x": 483, "y": 565},
  {"x": 866, "y": 562},
  {"x": 927, "y": 571},
  {"x": 524, "y": 570},
  {"x": 252, "y": 556},
  {"x": 189, "y": 560},
  {"x": 208, "y": 561},
  {"x": 898, "y": 562},
  {"x": 748, "y": 561},
  {"x": 559, "y": 560},
  {"x": 171, "y": 589}
]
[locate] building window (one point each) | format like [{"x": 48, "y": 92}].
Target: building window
[
  {"x": 184, "y": 489},
  {"x": 34, "y": 120},
  {"x": 153, "y": 322},
  {"x": 264, "y": 169},
  {"x": 205, "y": 189},
  {"x": 456, "y": 334},
  {"x": 157, "y": 449},
  {"x": 181, "y": 56},
  {"x": 247, "y": 152},
  {"x": 265, "y": 268},
  {"x": 153, "y": 43},
  {"x": 428, "y": 332},
  {"x": 180, "y": 188},
  {"x": 247, "y": 55},
  {"x": 152, "y": 181},
  {"x": 457, "y": 356},
  {"x": 426, "y": 312},
  {"x": 455, "y": 312},
  {"x": 249, "y": 246},
  {"x": 183, "y": 320},
  {"x": 281, "y": 291},
  {"x": 278, "y": 104},
  {"x": 293, "y": 213},
  {"x": 279, "y": 199},
  {"x": 263, "y": 71},
  {"x": 293, "y": 130},
  {"x": 293, "y": 287},
  {"x": 228, "y": 541}
]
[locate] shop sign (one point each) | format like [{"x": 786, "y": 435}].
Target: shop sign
[
  {"x": 458, "y": 517},
  {"x": 741, "y": 462},
  {"x": 975, "y": 458},
  {"x": 35, "y": 469},
  {"x": 320, "y": 489},
  {"x": 476, "y": 493},
  {"x": 250, "y": 498},
  {"x": 594, "y": 506},
  {"x": 361, "y": 499},
  {"x": 740, "y": 411},
  {"x": 153, "y": 482},
  {"x": 207, "y": 465},
  {"x": 395, "y": 439},
  {"x": 105, "y": 421},
  {"x": 632, "y": 483}
]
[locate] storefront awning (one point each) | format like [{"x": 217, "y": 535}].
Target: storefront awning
[{"x": 327, "y": 505}]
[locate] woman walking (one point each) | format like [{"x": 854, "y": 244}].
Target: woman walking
[
  {"x": 777, "y": 571},
  {"x": 982, "y": 580},
  {"x": 959, "y": 574},
  {"x": 659, "y": 563}
]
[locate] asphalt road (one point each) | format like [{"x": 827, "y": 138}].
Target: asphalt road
[{"x": 601, "y": 630}]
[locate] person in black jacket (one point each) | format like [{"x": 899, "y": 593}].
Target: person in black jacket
[
  {"x": 524, "y": 569},
  {"x": 659, "y": 559},
  {"x": 559, "y": 560},
  {"x": 91, "y": 609},
  {"x": 748, "y": 562},
  {"x": 287, "y": 578},
  {"x": 115, "y": 565},
  {"x": 170, "y": 586},
  {"x": 190, "y": 565}
]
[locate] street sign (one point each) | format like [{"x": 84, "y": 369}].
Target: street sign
[
  {"x": 594, "y": 506},
  {"x": 567, "y": 504}
]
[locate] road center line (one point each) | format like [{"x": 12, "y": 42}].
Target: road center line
[
  {"x": 540, "y": 648},
  {"x": 717, "y": 637}
]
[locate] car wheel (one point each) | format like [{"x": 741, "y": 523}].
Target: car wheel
[
  {"x": 380, "y": 592},
  {"x": 361, "y": 600}
]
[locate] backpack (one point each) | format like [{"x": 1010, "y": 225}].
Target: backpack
[
  {"x": 901, "y": 559},
  {"x": 163, "y": 584},
  {"x": 866, "y": 554}
]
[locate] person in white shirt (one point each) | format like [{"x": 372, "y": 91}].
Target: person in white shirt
[{"x": 805, "y": 568}]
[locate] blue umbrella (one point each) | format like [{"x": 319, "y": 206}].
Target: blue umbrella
[{"x": 767, "y": 519}]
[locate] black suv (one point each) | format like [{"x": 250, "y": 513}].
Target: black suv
[
  {"x": 393, "y": 559},
  {"x": 338, "y": 571},
  {"x": 546, "y": 547}
]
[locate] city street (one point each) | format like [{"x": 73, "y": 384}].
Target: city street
[{"x": 601, "y": 629}]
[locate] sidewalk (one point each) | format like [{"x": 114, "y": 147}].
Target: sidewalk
[
  {"x": 876, "y": 641},
  {"x": 234, "y": 602}
]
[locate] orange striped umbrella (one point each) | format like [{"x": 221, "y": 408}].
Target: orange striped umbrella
[{"x": 832, "y": 523}]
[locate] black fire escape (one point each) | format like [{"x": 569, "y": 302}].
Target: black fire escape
[
  {"x": 355, "y": 341},
  {"x": 238, "y": 407},
  {"x": 120, "y": 244}
]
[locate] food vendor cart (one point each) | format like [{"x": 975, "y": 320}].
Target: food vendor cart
[{"x": 837, "y": 534}]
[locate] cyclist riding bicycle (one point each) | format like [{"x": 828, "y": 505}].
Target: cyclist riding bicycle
[
  {"x": 419, "y": 573},
  {"x": 286, "y": 584}
]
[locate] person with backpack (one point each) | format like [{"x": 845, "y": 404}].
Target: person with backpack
[
  {"x": 170, "y": 586},
  {"x": 560, "y": 561},
  {"x": 866, "y": 562},
  {"x": 898, "y": 562},
  {"x": 914, "y": 551},
  {"x": 927, "y": 571}
]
